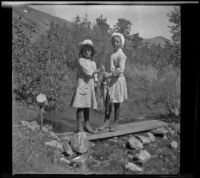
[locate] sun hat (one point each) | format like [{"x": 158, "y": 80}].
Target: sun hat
[
  {"x": 41, "y": 98},
  {"x": 121, "y": 37},
  {"x": 86, "y": 42}
]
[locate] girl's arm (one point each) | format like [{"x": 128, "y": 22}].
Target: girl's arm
[{"x": 117, "y": 71}]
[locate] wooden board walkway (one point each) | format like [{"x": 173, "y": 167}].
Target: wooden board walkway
[{"x": 123, "y": 130}]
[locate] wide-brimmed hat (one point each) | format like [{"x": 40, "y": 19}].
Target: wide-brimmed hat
[
  {"x": 121, "y": 37},
  {"x": 86, "y": 42}
]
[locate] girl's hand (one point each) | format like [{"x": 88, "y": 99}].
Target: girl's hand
[
  {"x": 96, "y": 71},
  {"x": 107, "y": 75},
  {"x": 102, "y": 68}
]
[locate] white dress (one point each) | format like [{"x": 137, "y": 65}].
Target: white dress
[
  {"x": 84, "y": 95},
  {"x": 117, "y": 85}
]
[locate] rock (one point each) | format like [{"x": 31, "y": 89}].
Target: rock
[
  {"x": 159, "y": 132},
  {"x": 176, "y": 127},
  {"x": 115, "y": 140},
  {"x": 67, "y": 149},
  {"x": 165, "y": 137},
  {"x": 44, "y": 129},
  {"x": 33, "y": 126},
  {"x": 140, "y": 118},
  {"x": 133, "y": 167},
  {"x": 80, "y": 159},
  {"x": 79, "y": 142},
  {"x": 49, "y": 127},
  {"x": 151, "y": 136},
  {"x": 53, "y": 135},
  {"x": 91, "y": 144},
  {"x": 65, "y": 160},
  {"x": 130, "y": 156},
  {"x": 143, "y": 156},
  {"x": 174, "y": 144},
  {"x": 143, "y": 139},
  {"x": 24, "y": 123},
  {"x": 171, "y": 131},
  {"x": 135, "y": 143},
  {"x": 55, "y": 144}
]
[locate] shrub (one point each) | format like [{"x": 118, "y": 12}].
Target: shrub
[
  {"x": 167, "y": 90},
  {"x": 40, "y": 68}
]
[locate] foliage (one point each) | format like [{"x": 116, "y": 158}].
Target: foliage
[
  {"x": 123, "y": 26},
  {"x": 167, "y": 90},
  {"x": 175, "y": 46},
  {"x": 101, "y": 25},
  {"x": 49, "y": 65},
  {"x": 42, "y": 69}
]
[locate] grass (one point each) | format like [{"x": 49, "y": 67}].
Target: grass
[{"x": 30, "y": 155}]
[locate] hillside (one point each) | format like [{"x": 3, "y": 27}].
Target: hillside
[
  {"x": 35, "y": 22},
  {"x": 158, "y": 40}
]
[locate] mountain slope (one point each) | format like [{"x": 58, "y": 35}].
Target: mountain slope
[
  {"x": 35, "y": 22},
  {"x": 158, "y": 40}
]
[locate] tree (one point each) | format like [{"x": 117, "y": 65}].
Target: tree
[
  {"x": 85, "y": 22},
  {"x": 175, "y": 46},
  {"x": 77, "y": 20},
  {"x": 101, "y": 24},
  {"x": 123, "y": 26},
  {"x": 175, "y": 19},
  {"x": 136, "y": 40}
]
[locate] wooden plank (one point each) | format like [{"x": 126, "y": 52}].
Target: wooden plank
[{"x": 123, "y": 130}]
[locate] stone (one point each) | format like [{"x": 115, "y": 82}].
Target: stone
[
  {"x": 171, "y": 131},
  {"x": 141, "y": 118},
  {"x": 176, "y": 127},
  {"x": 65, "y": 160},
  {"x": 135, "y": 143},
  {"x": 130, "y": 156},
  {"x": 165, "y": 137},
  {"x": 91, "y": 144},
  {"x": 53, "y": 135},
  {"x": 133, "y": 167},
  {"x": 49, "y": 127},
  {"x": 143, "y": 156},
  {"x": 79, "y": 142},
  {"x": 45, "y": 130},
  {"x": 115, "y": 140},
  {"x": 55, "y": 144},
  {"x": 143, "y": 139},
  {"x": 151, "y": 136},
  {"x": 24, "y": 123},
  {"x": 33, "y": 126},
  {"x": 174, "y": 144},
  {"x": 159, "y": 132},
  {"x": 67, "y": 149},
  {"x": 80, "y": 159}
]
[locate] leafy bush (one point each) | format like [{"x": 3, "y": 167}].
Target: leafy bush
[
  {"x": 49, "y": 65},
  {"x": 41, "y": 68},
  {"x": 167, "y": 90}
]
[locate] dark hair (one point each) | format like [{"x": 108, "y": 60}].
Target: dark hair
[{"x": 81, "y": 51}]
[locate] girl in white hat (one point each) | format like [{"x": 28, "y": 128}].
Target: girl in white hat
[
  {"x": 116, "y": 92},
  {"x": 84, "y": 95}
]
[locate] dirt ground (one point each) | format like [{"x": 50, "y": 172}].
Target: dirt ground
[{"x": 108, "y": 156}]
